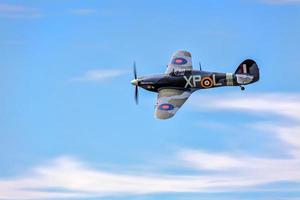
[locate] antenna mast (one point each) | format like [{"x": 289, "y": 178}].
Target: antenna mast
[{"x": 200, "y": 66}]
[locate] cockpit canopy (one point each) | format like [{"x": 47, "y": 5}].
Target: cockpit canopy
[{"x": 180, "y": 72}]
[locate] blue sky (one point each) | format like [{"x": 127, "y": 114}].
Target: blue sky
[{"x": 69, "y": 127}]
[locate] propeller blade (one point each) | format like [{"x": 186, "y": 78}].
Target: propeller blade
[
  {"x": 136, "y": 95},
  {"x": 134, "y": 70},
  {"x": 136, "y": 92}
]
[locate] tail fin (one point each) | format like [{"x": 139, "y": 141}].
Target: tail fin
[{"x": 247, "y": 72}]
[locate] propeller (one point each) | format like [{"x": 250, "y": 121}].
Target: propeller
[{"x": 135, "y": 82}]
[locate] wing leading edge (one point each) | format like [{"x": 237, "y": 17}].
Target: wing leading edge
[{"x": 169, "y": 101}]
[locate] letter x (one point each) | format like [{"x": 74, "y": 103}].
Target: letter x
[{"x": 188, "y": 81}]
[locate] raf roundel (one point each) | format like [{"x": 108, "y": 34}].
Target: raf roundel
[
  {"x": 206, "y": 82},
  {"x": 166, "y": 106},
  {"x": 179, "y": 61}
]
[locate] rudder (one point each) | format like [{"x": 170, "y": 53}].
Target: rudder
[{"x": 247, "y": 72}]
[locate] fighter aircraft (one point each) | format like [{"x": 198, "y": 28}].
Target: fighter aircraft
[{"x": 180, "y": 80}]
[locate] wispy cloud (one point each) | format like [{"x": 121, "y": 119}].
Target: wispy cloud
[
  {"x": 83, "y": 11},
  {"x": 98, "y": 75},
  {"x": 91, "y": 11},
  {"x": 284, "y": 105},
  {"x": 286, "y": 127},
  {"x": 253, "y": 170},
  {"x": 67, "y": 177},
  {"x": 15, "y": 11},
  {"x": 281, "y": 2}
]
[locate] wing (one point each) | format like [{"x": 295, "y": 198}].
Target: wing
[
  {"x": 180, "y": 60},
  {"x": 169, "y": 101}
]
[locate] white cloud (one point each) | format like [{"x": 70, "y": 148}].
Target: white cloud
[
  {"x": 253, "y": 170},
  {"x": 256, "y": 170},
  {"x": 75, "y": 179},
  {"x": 18, "y": 11},
  {"x": 286, "y": 127},
  {"x": 91, "y": 11},
  {"x": 207, "y": 161},
  {"x": 98, "y": 75},
  {"x": 285, "y": 105},
  {"x": 66, "y": 177},
  {"x": 290, "y": 135},
  {"x": 83, "y": 11},
  {"x": 280, "y": 2}
]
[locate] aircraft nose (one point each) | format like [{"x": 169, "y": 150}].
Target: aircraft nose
[{"x": 134, "y": 82}]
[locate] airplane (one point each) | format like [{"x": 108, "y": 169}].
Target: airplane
[{"x": 180, "y": 80}]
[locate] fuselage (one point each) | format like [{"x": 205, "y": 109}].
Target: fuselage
[{"x": 188, "y": 80}]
